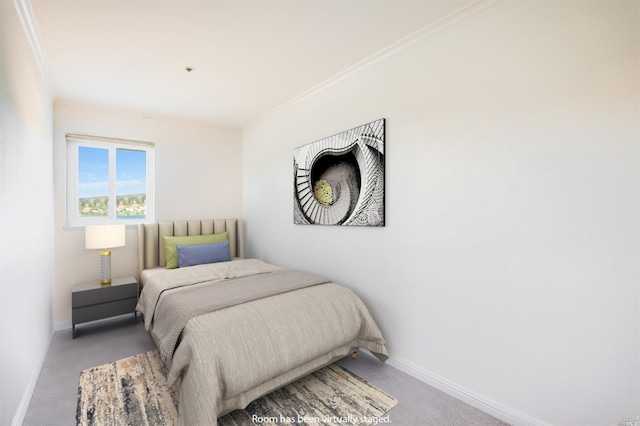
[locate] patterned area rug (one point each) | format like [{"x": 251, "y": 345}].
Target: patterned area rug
[{"x": 134, "y": 391}]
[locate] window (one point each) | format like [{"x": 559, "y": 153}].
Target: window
[{"x": 108, "y": 180}]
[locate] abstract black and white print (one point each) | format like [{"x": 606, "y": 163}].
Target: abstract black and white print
[{"x": 339, "y": 180}]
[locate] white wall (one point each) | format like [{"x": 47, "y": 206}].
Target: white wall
[
  {"x": 508, "y": 269},
  {"x": 198, "y": 174},
  {"x": 26, "y": 218}
]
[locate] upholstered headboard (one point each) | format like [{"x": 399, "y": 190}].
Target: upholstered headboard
[{"x": 151, "y": 246}]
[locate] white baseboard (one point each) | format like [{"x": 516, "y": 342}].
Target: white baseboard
[
  {"x": 496, "y": 409},
  {"x": 61, "y": 325},
  {"x": 18, "y": 417}
]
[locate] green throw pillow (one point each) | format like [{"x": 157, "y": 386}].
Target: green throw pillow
[{"x": 170, "y": 243}]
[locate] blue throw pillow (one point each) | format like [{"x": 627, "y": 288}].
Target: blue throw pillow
[{"x": 203, "y": 253}]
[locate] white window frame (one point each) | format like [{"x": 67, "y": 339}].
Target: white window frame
[{"x": 74, "y": 141}]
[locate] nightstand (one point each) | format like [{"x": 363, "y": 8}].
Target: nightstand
[{"x": 92, "y": 301}]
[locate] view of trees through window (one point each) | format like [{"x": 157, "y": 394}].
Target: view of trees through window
[{"x": 130, "y": 182}]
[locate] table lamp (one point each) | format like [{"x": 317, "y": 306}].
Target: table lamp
[{"x": 104, "y": 237}]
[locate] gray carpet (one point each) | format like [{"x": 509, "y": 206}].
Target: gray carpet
[{"x": 55, "y": 397}]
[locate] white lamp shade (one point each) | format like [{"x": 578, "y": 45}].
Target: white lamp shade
[{"x": 104, "y": 236}]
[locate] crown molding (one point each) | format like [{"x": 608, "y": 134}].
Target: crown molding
[
  {"x": 30, "y": 28},
  {"x": 143, "y": 115},
  {"x": 465, "y": 12}
]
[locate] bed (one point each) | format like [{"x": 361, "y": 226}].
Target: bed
[{"x": 234, "y": 330}]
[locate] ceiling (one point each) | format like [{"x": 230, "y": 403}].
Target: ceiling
[{"x": 249, "y": 57}]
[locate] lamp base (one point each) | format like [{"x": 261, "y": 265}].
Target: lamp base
[{"x": 105, "y": 267}]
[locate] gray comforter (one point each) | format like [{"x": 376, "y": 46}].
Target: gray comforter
[{"x": 235, "y": 331}]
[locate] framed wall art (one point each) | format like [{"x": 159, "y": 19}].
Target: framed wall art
[{"x": 339, "y": 180}]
